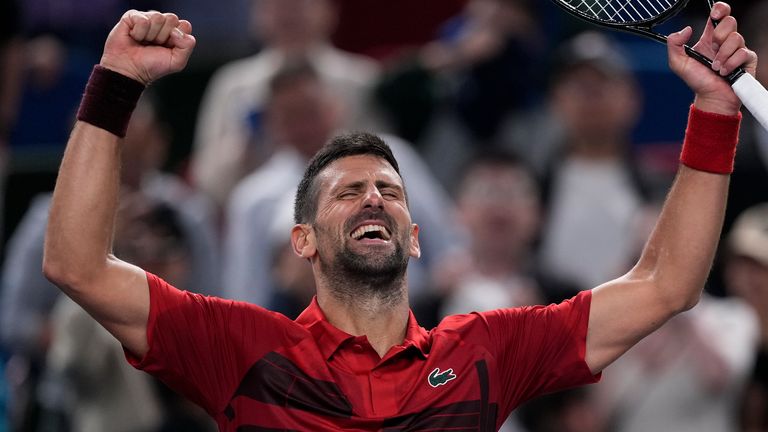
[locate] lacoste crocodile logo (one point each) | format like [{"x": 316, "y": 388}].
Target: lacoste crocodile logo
[{"x": 437, "y": 378}]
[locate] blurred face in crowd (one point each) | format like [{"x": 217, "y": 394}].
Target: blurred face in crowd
[
  {"x": 593, "y": 103},
  {"x": 498, "y": 204},
  {"x": 303, "y": 115},
  {"x": 293, "y": 23},
  {"x": 363, "y": 230},
  {"x": 143, "y": 236}
]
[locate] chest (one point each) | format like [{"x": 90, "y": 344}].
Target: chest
[{"x": 299, "y": 389}]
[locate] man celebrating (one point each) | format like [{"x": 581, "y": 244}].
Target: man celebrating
[{"x": 356, "y": 358}]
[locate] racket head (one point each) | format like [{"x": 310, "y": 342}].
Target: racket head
[{"x": 623, "y": 13}]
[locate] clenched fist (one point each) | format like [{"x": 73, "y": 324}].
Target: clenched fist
[{"x": 146, "y": 46}]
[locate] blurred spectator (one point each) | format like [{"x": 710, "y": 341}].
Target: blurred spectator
[
  {"x": 11, "y": 56},
  {"x": 746, "y": 275},
  {"x": 301, "y": 114},
  {"x": 751, "y": 167},
  {"x": 565, "y": 411},
  {"x": 52, "y": 88},
  {"x": 26, "y": 297},
  {"x": 498, "y": 207},
  {"x": 592, "y": 190},
  {"x": 294, "y": 282},
  {"x": 459, "y": 90},
  {"x": 228, "y": 140},
  {"x": 751, "y": 163},
  {"x": 102, "y": 391},
  {"x": 686, "y": 376}
]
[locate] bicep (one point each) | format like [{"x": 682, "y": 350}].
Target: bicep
[
  {"x": 622, "y": 312},
  {"x": 118, "y": 298}
]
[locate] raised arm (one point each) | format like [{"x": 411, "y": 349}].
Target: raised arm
[
  {"x": 674, "y": 264},
  {"x": 141, "y": 48}
]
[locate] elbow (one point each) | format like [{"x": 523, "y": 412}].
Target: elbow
[
  {"x": 57, "y": 272},
  {"x": 62, "y": 274},
  {"x": 691, "y": 301},
  {"x": 681, "y": 301}
]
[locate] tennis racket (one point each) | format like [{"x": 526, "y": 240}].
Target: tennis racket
[{"x": 640, "y": 16}]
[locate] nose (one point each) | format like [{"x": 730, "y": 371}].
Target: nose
[{"x": 373, "y": 198}]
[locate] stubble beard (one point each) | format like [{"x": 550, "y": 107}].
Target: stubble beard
[{"x": 361, "y": 278}]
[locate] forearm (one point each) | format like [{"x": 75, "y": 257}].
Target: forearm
[
  {"x": 674, "y": 265},
  {"x": 679, "y": 254},
  {"x": 81, "y": 221}
]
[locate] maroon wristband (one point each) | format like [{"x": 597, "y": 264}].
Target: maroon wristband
[
  {"x": 109, "y": 100},
  {"x": 710, "y": 141}
]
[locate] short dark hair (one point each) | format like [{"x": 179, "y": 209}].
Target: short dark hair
[{"x": 341, "y": 146}]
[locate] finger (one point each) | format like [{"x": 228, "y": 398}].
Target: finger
[
  {"x": 727, "y": 26},
  {"x": 181, "y": 37},
  {"x": 181, "y": 40},
  {"x": 170, "y": 24},
  {"x": 727, "y": 49},
  {"x": 743, "y": 57},
  {"x": 185, "y": 26},
  {"x": 157, "y": 20},
  {"x": 182, "y": 51},
  {"x": 719, "y": 11},
  {"x": 139, "y": 24}
]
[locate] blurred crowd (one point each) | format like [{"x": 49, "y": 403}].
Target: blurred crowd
[{"x": 536, "y": 154}]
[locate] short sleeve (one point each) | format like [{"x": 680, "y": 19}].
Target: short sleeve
[
  {"x": 540, "y": 349},
  {"x": 201, "y": 346}
]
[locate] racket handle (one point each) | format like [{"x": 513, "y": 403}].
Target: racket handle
[{"x": 754, "y": 97}]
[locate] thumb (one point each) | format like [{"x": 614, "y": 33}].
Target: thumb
[{"x": 675, "y": 43}]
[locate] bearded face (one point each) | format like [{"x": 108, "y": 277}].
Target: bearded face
[
  {"x": 369, "y": 248},
  {"x": 363, "y": 231}
]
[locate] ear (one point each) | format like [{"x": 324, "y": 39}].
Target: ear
[
  {"x": 303, "y": 241},
  {"x": 415, "y": 250}
]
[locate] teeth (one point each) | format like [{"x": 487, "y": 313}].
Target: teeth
[{"x": 356, "y": 234}]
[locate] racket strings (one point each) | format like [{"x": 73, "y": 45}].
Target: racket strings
[{"x": 621, "y": 11}]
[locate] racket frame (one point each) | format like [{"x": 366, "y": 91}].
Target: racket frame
[{"x": 645, "y": 28}]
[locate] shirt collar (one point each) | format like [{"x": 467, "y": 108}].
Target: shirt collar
[{"x": 330, "y": 338}]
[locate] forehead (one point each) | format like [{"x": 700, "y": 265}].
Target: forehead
[{"x": 357, "y": 168}]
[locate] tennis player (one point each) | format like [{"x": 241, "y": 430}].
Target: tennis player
[{"x": 356, "y": 359}]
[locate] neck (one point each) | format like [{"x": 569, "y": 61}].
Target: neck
[{"x": 382, "y": 316}]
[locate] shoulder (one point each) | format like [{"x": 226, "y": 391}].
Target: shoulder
[{"x": 185, "y": 307}]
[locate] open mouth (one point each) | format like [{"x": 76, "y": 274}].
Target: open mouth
[{"x": 371, "y": 232}]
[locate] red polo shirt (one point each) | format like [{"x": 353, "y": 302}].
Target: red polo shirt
[{"x": 256, "y": 370}]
